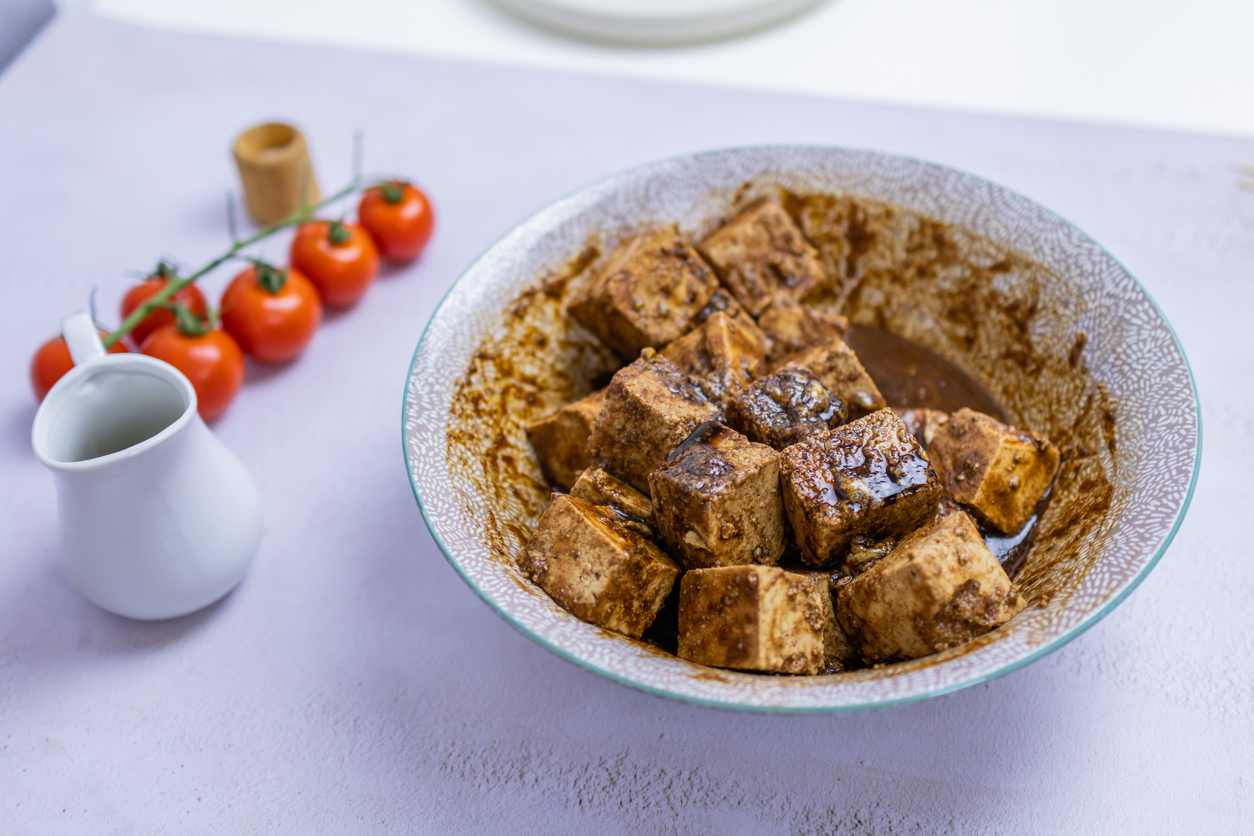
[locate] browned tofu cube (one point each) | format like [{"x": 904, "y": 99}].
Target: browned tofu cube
[
  {"x": 561, "y": 439},
  {"x": 869, "y": 477},
  {"x": 598, "y": 569},
  {"x": 923, "y": 423},
  {"x": 939, "y": 588},
  {"x": 834, "y": 363},
  {"x": 646, "y": 293},
  {"x": 785, "y": 407},
  {"x": 721, "y": 352},
  {"x": 650, "y": 407},
  {"x": 1000, "y": 472},
  {"x": 793, "y": 326},
  {"x": 762, "y": 256},
  {"x": 716, "y": 500},
  {"x": 725, "y": 302},
  {"x": 597, "y": 487},
  {"x": 756, "y": 618}
]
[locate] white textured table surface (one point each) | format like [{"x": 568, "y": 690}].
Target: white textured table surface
[{"x": 354, "y": 684}]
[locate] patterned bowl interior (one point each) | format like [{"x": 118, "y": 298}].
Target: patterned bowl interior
[{"x": 1056, "y": 329}]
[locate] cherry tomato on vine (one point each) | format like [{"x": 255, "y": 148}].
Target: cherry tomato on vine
[
  {"x": 399, "y": 218},
  {"x": 339, "y": 258},
  {"x": 271, "y": 313},
  {"x": 52, "y": 361},
  {"x": 137, "y": 295},
  {"x": 209, "y": 357}
]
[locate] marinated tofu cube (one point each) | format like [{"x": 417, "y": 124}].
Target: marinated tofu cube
[
  {"x": 756, "y": 618},
  {"x": 598, "y": 569},
  {"x": 762, "y": 256},
  {"x": 784, "y": 408},
  {"x": 716, "y": 500},
  {"x": 938, "y": 588},
  {"x": 597, "y": 487},
  {"x": 869, "y": 477},
  {"x": 561, "y": 439},
  {"x": 646, "y": 293},
  {"x": 1000, "y": 472},
  {"x": 923, "y": 423},
  {"x": 834, "y": 363},
  {"x": 725, "y": 302},
  {"x": 721, "y": 352},
  {"x": 650, "y": 407},
  {"x": 791, "y": 326}
]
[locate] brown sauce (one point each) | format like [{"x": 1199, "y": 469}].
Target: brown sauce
[
  {"x": 1012, "y": 549},
  {"x": 663, "y": 633},
  {"x": 910, "y": 376}
]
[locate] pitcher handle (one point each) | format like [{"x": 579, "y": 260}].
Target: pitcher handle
[{"x": 81, "y": 336}]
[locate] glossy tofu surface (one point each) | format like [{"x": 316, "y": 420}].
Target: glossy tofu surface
[
  {"x": 869, "y": 477},
  {"x": 717, "y": 500},
  {"x": 785, "y": 408},
  {"x": 834, "y": 363}
]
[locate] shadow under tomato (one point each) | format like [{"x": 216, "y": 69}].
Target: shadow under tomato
[
  {"x": 389, "y": 270},
  {"x": 259, "y": 372}
]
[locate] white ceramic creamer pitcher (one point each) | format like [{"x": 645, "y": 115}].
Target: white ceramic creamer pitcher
[{"x": 157, "y": 518}]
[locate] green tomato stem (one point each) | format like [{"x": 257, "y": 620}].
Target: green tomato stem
[
  {"x": 162, "y": 297},
  {"x": 393, "y": 192},
  {"x": 338, "y": 235},
  {"x": 269, "y": 278}
]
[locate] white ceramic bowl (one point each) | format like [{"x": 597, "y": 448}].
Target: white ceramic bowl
[
  {"x": 1131, "y": 352},
  {"x": 656, "y": 22}
]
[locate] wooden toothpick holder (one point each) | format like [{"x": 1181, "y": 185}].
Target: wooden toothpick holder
[{"x": 275, "y": 171}]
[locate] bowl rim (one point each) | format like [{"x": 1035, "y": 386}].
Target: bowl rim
[{"x": 1075, "y": 631}]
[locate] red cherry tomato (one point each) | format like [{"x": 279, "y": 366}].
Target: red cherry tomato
[
  {"x": 271, "y": 313},
  {"x": 399, "y": 218},
  {"x": 339, "y": 258},
  {"x": 52, "y": 361},
  {"x": 137, "y": 295},
  {"x": 212, "y": 362}
]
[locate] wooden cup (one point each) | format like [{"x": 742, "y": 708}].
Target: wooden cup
[{"x": 274, "y": 167}]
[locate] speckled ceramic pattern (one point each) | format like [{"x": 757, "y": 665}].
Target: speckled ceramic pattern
[{"x": 1131, "y": 349}]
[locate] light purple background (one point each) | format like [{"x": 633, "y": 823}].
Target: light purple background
[{"x": 354, "y": 684}]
